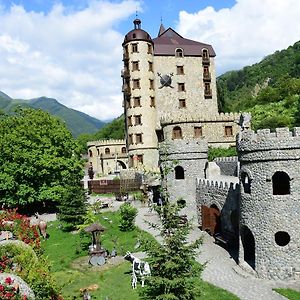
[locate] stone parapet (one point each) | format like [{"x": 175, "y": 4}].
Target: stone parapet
[
  {"x": 168, "y": 119},
  {"x": 207, "y": 184},
  {"x": 105, "y": 142},
  {"x": 264, "y": 140}
]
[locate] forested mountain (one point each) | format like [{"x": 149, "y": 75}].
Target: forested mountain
[
  {"x": 77, "y": 122},
  {"x": 270, "y": 90}
]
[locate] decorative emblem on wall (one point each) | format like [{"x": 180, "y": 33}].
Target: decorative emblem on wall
[{"x": 165, "y": 80}]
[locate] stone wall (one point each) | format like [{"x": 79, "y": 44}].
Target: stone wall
[
  {"x": 228, "y": 165},
  {"x": 224, "y": 195},
  {"x": 270, "y": 193}
]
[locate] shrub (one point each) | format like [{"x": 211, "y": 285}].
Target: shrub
[
  {"x": 19, "y": 225},
  {"x": 127, "y": 214}
]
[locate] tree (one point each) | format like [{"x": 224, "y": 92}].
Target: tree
[
  {"x": 39, "y": 159},
  {"x": 127, "y": 216},
  {"x": 174, "y": 272}
]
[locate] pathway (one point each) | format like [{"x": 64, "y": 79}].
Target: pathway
[{"x": 221, "y": 270}]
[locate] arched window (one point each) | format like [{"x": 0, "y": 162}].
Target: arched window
[
  {"x": 179, "y": 53},
  {"x": 107, "y": 151},
  {"x": 90, "y": 153},
  {"x": 177, "y": 133},
  {"x": 123, "y": 150},
  {"x": 98, "y": 152},
  {"x": 281, "y": 183},
  {"x": 246, "y": 181},
  {"x": 179, "y": 172}
]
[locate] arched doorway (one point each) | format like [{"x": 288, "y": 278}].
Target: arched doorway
[
  {"x": 211, "y": 221},
  {"x": 121, "y": 164},
  {"x": 248, "y": 242}
]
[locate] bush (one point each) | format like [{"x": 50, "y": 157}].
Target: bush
[
  {"x": 220, "y": 152},
  {"x": 127, "y": 214}
]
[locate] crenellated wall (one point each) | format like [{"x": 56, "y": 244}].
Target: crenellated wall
[
  {"x": 228, "y": 165},
  {"x": 225, "y": 196}
]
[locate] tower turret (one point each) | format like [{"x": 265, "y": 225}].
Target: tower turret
[{"x": 139, "y": 98}]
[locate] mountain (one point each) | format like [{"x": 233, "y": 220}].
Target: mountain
[
  {"x": 270, "y": 90},
  {"x": 77, "y": 122}
]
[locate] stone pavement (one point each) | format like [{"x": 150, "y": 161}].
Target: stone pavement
[{"x": 221, "y": 269}]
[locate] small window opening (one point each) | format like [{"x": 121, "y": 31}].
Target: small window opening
[
  {"x": 107, "y": 151},
  {"x": 281, "y": 183},
  {"x": 246, "y": 183},
  {"x": 179, "y": 172},
  {"x": 282, "y": 238},
  {"x": 177, "y": 133}
]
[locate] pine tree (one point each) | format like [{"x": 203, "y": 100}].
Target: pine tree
[
  {"x": 174, "y": 273},
  {"x": 72, "y": 207}
]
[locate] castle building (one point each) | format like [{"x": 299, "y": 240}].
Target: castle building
[{"x": 169, "y": 88}]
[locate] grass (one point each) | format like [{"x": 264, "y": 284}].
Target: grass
[
  {"x": 288, "y": 293},
  {"x": 69, "y": 257}
]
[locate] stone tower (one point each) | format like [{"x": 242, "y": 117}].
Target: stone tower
[
  {"x": 139, "y": 95},
  {"x": 270, "y": 206},
  {"x": 169, "y": 88},
  {"x": 182, "y": 162}
]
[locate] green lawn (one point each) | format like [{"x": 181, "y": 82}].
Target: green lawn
[
  {"x": 70, "y": 265},
  {"x": 288, "y": 293}
]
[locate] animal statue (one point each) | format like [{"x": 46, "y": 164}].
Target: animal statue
[
  {"x": 245, "y": 121},
  {"x": 42, "y": 225},
  {"x": 140, "y": 269}
]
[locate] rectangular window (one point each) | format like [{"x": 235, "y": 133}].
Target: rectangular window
[
  {"x": 140, "y": 158},
  {"x": 182, "y": 103},
  {"x": 136, "y": 84},
  {"x": 130, "y": 139},
  {"x": 138, "y": 138},
  {"x": 180, "y": 70},
  {"x": 136, "y": 101},
  {"x": 151, "y": 82},
  {"x": 181, "y": 87},
  {"x": 149, "y": 49},
  {"x": 150, "y": 66},
  {"x": 135, "y": 66},
  {"x": 138, "y": 120},
  {"x": 152, "y": 101},
  {"x": 198, "y": 132},
  {"x": 207, "y": 87},
  {"x": 228, "y": 131},
  {"x": 134, "y": 47},
  {"x": 129, "y": 121}
]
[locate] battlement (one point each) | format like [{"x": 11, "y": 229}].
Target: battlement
[
  {"x": 264, "y": 139},
  {"x": 168, "y": 118},
  {"x": 203, "y": 183},
  {"x": 226, "y": 159},
  {"x": 100, "y": 143}
]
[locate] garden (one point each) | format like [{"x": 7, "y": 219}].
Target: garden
[{"x": 58, "y": 267}]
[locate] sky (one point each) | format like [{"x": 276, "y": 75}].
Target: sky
[{"x": 71, "y": 50}]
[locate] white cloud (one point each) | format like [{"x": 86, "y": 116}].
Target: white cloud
[
  {"x": 73, "y": 56},
  {"x": 245, "y": 33}
]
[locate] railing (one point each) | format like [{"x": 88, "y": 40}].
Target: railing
[
  {"x": 208, "y": 93},
  {"x": 206, "y": 76},
  {"x": 100, "y": 186},
  {"x": 205, "y": 60}
]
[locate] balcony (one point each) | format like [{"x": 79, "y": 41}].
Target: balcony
[
  {"x": 207, "y": 93},
  {"x": 206, "y": 76},
  {"x": 125, "y": 56},
  {"x": 205, "y": 60},
  {"x": 125, "y": 73},
  {"x": 126, "y": 89}
]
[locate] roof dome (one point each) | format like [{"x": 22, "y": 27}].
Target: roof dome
[{"x": 137, "y": 34}]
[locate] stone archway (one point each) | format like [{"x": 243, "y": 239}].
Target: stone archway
[
  {"x": 121, "y": 164},
  {"x": 248, "y": 242}
]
